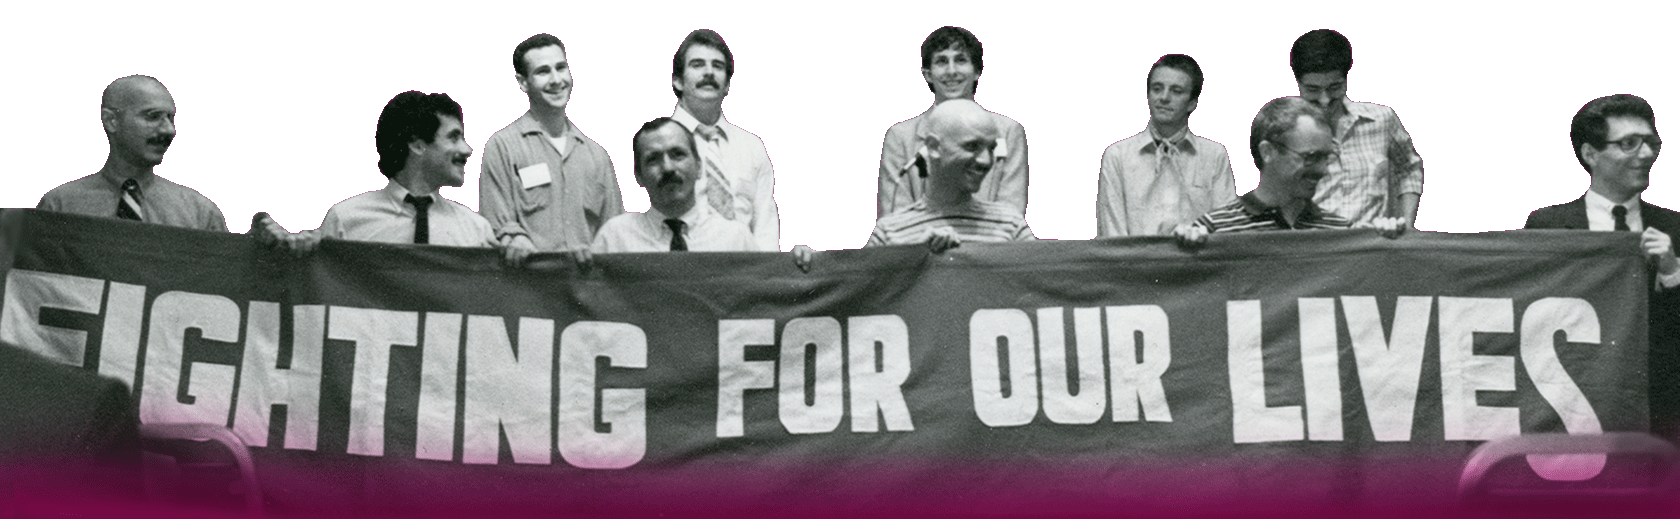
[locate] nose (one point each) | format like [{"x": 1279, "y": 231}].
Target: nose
[
  {"x": 167, "y": 127},
  {"x": 984, "y": 158},
  {"x": 1647, "y": 151}
]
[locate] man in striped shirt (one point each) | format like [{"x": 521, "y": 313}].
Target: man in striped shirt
[
  {"x": 1291, "y": 142},
  {"x": 961, "y": 138}
]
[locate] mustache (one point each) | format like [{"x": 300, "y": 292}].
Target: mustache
[
  {"x": 709, "y": 80},
  {"x": 162, "y": 140},
  {"x": 670, "y": 177}
]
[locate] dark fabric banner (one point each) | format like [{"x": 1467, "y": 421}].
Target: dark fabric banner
[{"x": 1321, "y": 367}]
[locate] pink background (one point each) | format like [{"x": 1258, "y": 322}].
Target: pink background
[{"x": 278, "y": 101}]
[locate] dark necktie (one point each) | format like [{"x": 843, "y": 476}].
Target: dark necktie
[
  {"x": 422, "y": 224},
  {"x": 1620, "y": 214},
  {"x": 128, "y": 207},
  {"x": 677, "y": 241}
]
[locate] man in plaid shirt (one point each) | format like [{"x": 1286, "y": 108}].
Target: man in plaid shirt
[{"x": 1377, "y": 172}]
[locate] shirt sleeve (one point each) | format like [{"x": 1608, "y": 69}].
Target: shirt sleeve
[
  {"x": 893, "y": 157},
  {"x": 1111, "y": 196},
  {"x": 1012, "y": 182},
  {"x": 331, "y": 227},
  {"x": 611, "y": 199},
  {"x": 213, "y": 219},
  {"x": 767, "y": 223},
  {"x": 1403, "y": 158},
  {"x": 498, "y": 189},
  {"x": 876, "y": 239},
  {"x": 1225, "y": 183},
  {"x": 1024, "y": 233}
]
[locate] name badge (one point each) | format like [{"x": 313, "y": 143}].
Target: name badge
[{"x": 534, "y": 175}]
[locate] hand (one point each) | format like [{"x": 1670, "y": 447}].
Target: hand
[
  {"x": 516, "y": 248},
  {"x": 271, "y": 234},
  {"x": 1391, "y": 227},
  {"x": 1191, "y": 235},
  {"x": 802, "y": 257},
  {"x": 582, "y": 257},
  {"x": 942, "y": 239},
  {"x": 1659, "y": 247}
]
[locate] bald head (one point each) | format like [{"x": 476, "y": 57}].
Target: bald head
[
  {"x": 139, "y": 118},
  {"x": 960, "y": 137}
]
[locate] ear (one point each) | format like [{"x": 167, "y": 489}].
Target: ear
[
  {"x": 1268, "y": 151},
  {"x": 676, "y": 82},
  {"x": 1589, "y": 155},
  {"x": 1191, "y": 107},
  {"x": 108, "y": 118},
  {"x": 927, "y": 75},
  {"x": 416, "y": 147},
  {"x": 520, "y": 78}
]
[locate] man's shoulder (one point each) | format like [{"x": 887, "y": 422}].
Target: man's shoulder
[
  {"x": 182, "y": 190},
  {"x": 1205, "y": 144},
  {"x": 356, "y": 202},
  {"x": 739, "y": 134},
  {"x": 906, "y": 129},
  {"x": 1371, "y": 110},
  {"x": 1129, "y": 145},
  {"x": 620, "y": 223},
  {"x": 1565, "y": 215},
  {"x": 1662, "y": 218},
  {"x": 1005, "y": 124},
  {"x": 513, "y": 131},
  {"x": 72, "y": 187}
]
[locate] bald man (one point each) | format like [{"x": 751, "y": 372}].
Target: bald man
[
  {"x": 139, "y": 118},
  {"x": 961, "y": 139}
]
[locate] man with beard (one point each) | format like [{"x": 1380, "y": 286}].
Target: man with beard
[
  {"x": 139, "y": 119},
  {"x": 951, "y": 65},
  {"x": 1615, "y": 140},
  {"x": 960, "y": 138},
  {"x": 667, "y": 165},
  {"x": 545, "y": 186},
  {"x": 736, "y": 181},
  {"x": 1153, "y": 181}
]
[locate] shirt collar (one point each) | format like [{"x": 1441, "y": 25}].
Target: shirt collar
[
  {"x": 1360, "y": 110},
  {"x": 691, "y": 123},
  {"x": 1597, "y": 203},
  {"x": 1255, "y": 208},
  {"x": 690, "y": 220},
  {"x": 144, "y": 179},
  {"x": 397, "y": 192},
  {"x": 1180, "y": 140},
  {"x": 527, "y": 125}
]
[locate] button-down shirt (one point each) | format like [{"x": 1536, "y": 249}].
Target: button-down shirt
[
  {"x": 1247, "y": 213},
  {"x": 736, "y": 181},
  {"x": 646, "y": 232},
  {"x": 905, "y": 167},
  {"x": 977, "y": 221},
  {"x": 162, "y": 201},
  {"x": 1377, "y": 164},
  {"x": 1129, "y": 171},
  {"x": 382, "y": 216},
  {"x": 559, "y": 198}
]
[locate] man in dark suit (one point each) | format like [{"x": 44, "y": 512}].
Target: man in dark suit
[
  {"x": 69, "y": 439},
  {"x": 1615, "y": 139}
]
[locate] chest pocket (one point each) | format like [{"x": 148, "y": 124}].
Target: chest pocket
[{"x": 537, "y": 187}]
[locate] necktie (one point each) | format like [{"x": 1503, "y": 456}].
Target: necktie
[
  {"x": 1620, "y": 214},
  {"x": 713, "y": 185},
  {"x": 128, "y": 208},
  {"x": 1165, "y": 195},
  {"x": 677, "y": 241},
  {"x": 422, "y": 222}
]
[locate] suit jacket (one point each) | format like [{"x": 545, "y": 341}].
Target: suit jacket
[
  {"x": 68, "y": 437},
  {"x": 1663, "y": 313}
]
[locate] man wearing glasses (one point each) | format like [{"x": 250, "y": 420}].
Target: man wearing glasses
[
  {"x": 139, "y": 119},
  {"x": 1291, "y": 143},
  {"x": 1377, "y": 173},
  {"x": 1615, "y": 139}
]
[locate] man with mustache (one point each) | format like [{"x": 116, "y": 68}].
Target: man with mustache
[
  {"x": 1153, "y": 181},
  {"x": 736, "y": 181},
  {"x": 545, "y": 186},
  {"x": 1615, "y": 140},
  {"x": 1292, "y": 148},
  {"x": 668, "y": 166},
  {"x": 1377, "y": 172},
  {"x": 951, "y": 65},
  {"x": 139, "y": 119},
  {"x": 961, "y": 140}
]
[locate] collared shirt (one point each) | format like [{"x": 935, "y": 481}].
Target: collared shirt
[
  {"x": 1129, "y": 170},
  {"x": 703, "y": 231},
  {"x": 162, "y": 201},
  {"x": 977, "y": 221},
  {"x": 382, "y": 216},
  {"x": 557, "y": 197},
  {"x": 1247, "y": 213},
  {"x": 736, "y": 181},
  {"x": 1377, "y": 164},
  {"x": 1600, "y": 219},
  {"x": 904, "y": 167}
]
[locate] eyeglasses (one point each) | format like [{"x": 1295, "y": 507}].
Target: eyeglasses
[
  {"x": 1630, "y": 143},
  {"x": 1313, "y": 158}
]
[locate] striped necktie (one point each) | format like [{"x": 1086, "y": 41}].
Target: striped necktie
[{"x": 128, "y": 207}]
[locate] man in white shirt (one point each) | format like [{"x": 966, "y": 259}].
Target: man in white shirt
[
  {"x": 668, "y": 167},
  {"x": 736, "y": 181}
]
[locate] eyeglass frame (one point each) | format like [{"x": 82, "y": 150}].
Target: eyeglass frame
[
  {"x": 1305, "y": 162},
  {"x": 1648, "y": 139}
]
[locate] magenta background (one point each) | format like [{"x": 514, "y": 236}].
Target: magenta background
[{"x": 278, "y": 101}]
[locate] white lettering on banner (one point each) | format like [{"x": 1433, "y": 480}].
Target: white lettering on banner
[
  {"x": 119, "y": 346},
  {"x": 877, "y": 379},
  {"x": 1251, "y": 420},
  {"x": 374, "y": 332},
  {"x": 209, "y": 386},
  {"x": 1083, "y": 403},
  {"x": 263, "y": 384},
  {"x": 821, "y": 335},
  {"x": 434, "y": 435},
  {"x": 1133, "y": 330},
  {"x": 1541, "y": 323},
  {"x": 736, "y": 374},
  {"x": 508, "y": 392},
  {"x": 1389, "y": 369},
  {"x": 27, "y": 292},
  {"x": 623, "y": 411},
  {"x": 1320, "y": 374},
  {"x": 1463, "y": 372},
  {"x": 994, "y": 408}
]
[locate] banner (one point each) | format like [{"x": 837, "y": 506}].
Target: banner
[{"x": 1295, "y": 367}]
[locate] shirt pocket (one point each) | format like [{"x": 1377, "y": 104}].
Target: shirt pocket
[{"x": 536, "y": 199}]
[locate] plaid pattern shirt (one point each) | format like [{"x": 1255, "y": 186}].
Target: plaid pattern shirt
[{"x": 1377, "y": 164}]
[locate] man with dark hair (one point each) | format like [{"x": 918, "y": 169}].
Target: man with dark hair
[
  {"x": 1292, "y": 148},
  {"x": 952, "y": 60},
  {"x": 1165, "y": 176},
  {"x": 1615, "y": 140},
  {"x": 1377, "y": 173},
  {"x": 736, "y": 180},
  {"x": 668, "y": 166},
  {"x": 961, "y": 139},
  {"x": 544, "y": 185},
  {"x": 139, "y": 119}
]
